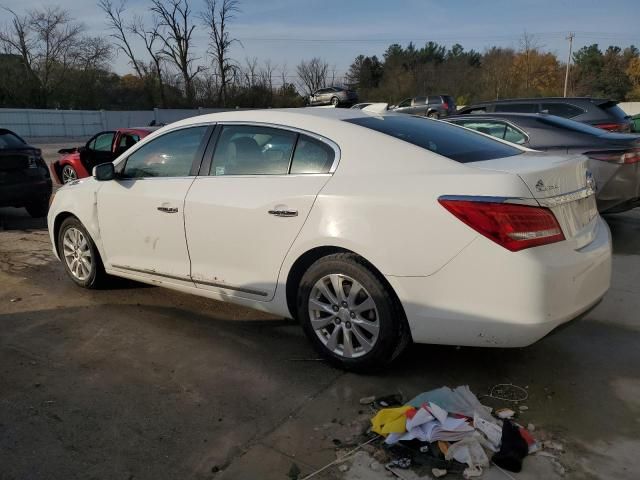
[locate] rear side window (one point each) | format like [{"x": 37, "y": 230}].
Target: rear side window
[
  {"x": 495, "y": 129},
  {"x": 9, "y": 140},
  {"x": 420, "y": 100},
  {"x": 516, "y": 107},
  {"x": 439, "y": 137},
  {"x": 252, "y": 150},
  {"x": 312, "y": 156},
  {"x": 561, "y": 109}
]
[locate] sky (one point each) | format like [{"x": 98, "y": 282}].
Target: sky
[{"x": 287, "y": 31}]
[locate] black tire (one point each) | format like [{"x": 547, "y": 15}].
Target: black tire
[
  {"x": 393, "y": 334},
  {"x": 97, "y": 276},
  {"x": 433, "y": 115},
  {"x": 38, "y": 208},
  {"x": 335, "y": 101}
]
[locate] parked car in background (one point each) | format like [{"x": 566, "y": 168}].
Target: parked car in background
[
  {"x": 433, "y": 106},
  {"x": 599, "y": 112},
  {"x": 364, "y": 263},
  {"x": 335, "y": 96},
  {"x": 614, "y": 158},
  {"x": 24, "y": 177},
  {"x": 78, "y": 162}
]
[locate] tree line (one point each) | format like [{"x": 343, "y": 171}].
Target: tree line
[{"x": 49, "y": 60}]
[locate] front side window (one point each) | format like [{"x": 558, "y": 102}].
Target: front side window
[
  {"x": 312, "y": 156},
  {"x": 102, "y": 142},
  {"x": 439, "y": 137},
  {"x": 561, "y": 109},
  {"x": 170, "y": 155},
  {"x": 252, "y": 150}
]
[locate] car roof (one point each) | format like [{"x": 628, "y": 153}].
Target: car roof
[{"x": 538, "y": 99}]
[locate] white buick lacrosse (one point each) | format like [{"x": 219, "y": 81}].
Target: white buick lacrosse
[{"x": 373, "y": 230}]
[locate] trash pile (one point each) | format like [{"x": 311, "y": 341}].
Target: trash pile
[{"x": 450, "y": 431}]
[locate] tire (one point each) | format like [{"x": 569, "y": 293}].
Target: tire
[
  {"x": 433, "y": 115},
  {"x": 335, "y": 101},
  {"x": 382, "y": 327},
  {"x": 38, "y": 208},
  {"x": 71, "y": 246},
  {"x": 68, "y": 174}
]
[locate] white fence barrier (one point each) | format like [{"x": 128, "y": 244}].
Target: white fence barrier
[
  {"x": 35, "y": 123},
  {"x": 630, "y": 108}
]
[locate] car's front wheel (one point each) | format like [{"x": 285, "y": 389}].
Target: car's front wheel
[
  {"x": 349, "y": 314},
  {"x": 335, "y": 101},
  {"x": 69, "y": 174},
  {"x": 79, "y": 254}
]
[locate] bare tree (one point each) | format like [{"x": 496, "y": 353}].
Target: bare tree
[
  {"x": 47, "y": 41},
  {"x": 149, "y": 36},
  {"x": 251, "y": 71},
  {"x": 216, "y": 16},
  {"x": 119, "y": 33},
  {"x": 312, "y": 74},
  {"x": 266, "y": 74},
  {"x": 94, "y": 53},
  {"x": 174, "y": 19}
]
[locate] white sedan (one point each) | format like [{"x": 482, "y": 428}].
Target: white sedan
[{"x": 373, "y": 230}]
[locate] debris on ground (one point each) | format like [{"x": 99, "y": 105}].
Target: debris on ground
[
  {"x": 449, "y": 432},
  {"x": 16, "y": 299}
]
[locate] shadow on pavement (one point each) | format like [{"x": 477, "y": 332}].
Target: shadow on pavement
[{"x": 19, "y": 219}]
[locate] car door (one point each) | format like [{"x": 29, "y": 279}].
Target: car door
[
  {"x": 99, "y": 149},
  {"x": 404, "y": 106},
  {"x": 140, "y": 213},
  {"x": 244, "y": 211}
]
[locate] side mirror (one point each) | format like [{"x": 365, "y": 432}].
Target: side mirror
[{"x": 104, "y": 172}]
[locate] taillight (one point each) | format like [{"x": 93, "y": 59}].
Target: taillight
[
  {"x": 515, "y": 227},
  {"x": 617, "y": 156},
  {"x": 445, "y": 106},
  {"x": 614, "y": 127}
]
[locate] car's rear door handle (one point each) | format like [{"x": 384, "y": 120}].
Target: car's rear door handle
[
  {"x": 284, "y": 213},
  {"x": 168, "y": 209}
]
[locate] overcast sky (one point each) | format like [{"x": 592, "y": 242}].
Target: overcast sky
[{"x": 286, "y": 31}]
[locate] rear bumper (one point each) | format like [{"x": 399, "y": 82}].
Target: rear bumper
[
  {"x": 488, "y": 296},
  {"x": 21, "y": 194},
  {"x": 622, "y": 185}
]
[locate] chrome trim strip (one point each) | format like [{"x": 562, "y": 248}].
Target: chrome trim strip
[
  {"x": 189, "y": 279},
  {"x": 548, "y": 202},
  {"x": 567, "y": 197}
]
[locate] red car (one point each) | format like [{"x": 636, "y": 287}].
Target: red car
[{"x": 78, "y": 162}]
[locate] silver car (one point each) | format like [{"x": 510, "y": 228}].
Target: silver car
[
  {"x": 434, "y": 106},
  {"x": 333, "y": 96}
]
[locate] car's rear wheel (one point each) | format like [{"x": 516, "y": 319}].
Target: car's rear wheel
[
  {"x": 69, "y": 174},
  {"x": 335, "y": 101},
  {"x": 433, "y": 115},
  {"x": 38, "y": 208},
  {"x": 79, "y": 254},
  {"x": 349, "y": 314}
]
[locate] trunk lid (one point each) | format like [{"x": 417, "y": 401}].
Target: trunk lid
[{"x": 561, "y": 183}]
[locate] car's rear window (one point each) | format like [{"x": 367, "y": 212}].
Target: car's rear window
[
  {"x": 614, "y": 111},
  {"x": 572, "y": 125},
  {"x": 10, "y": 140},
  {"x": 453, "y": 142}
]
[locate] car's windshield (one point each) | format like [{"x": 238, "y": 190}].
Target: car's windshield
[
  {"x": 453, "y": 142},
  {"x": 10, "y": 140}
]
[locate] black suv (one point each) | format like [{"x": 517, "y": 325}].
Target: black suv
[
  {"x": 24, "y": 177},
  {"x": 599, "y": 112}
]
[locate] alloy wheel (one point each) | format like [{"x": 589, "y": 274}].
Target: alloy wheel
[
  {"x": 77, "y": 254},
  {"x": 344, "y": 315},
  {"x": 68, "y": 174}
]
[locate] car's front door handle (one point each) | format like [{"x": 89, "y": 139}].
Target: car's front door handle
[
  {"x": 284, "y": 213},
  {"x": 168, "y": 209}
]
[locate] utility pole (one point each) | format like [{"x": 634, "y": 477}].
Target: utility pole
[{"x": 566, "y": 75}]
